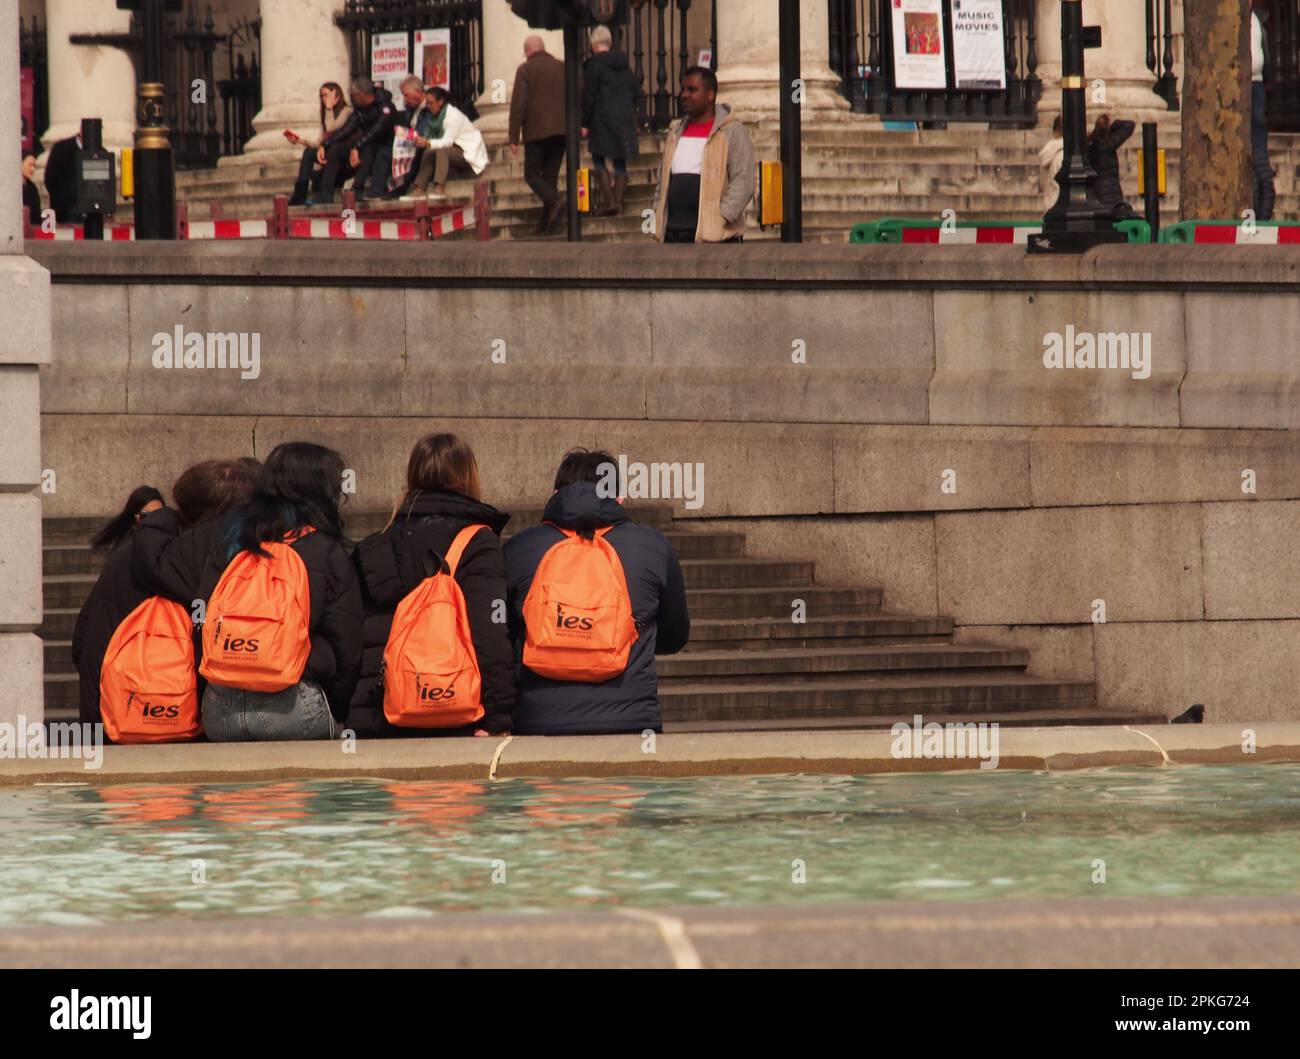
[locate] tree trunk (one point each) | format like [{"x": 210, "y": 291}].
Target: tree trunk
[{"x": 1215, "y": 175}]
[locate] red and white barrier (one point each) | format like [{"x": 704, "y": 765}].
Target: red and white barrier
[
  {"x": 1260, "y": 235},
  {"x": 970, "y": 236},
  {"x": 454, "y": 221},
  {"x": 227, "y": 230},
  {"x": 112, "y": 233},
  {"x": 335, "y": 228}
]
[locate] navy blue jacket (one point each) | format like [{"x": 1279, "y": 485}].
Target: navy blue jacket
[{"x": 629, "y": 702}]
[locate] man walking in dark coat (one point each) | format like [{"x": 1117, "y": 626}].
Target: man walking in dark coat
[
  {"x": 630, "y": 701},
  {"x": 537, "y": 121},
  {"x": 61, "y": 179},
  {"x": 609, "y": 117}
]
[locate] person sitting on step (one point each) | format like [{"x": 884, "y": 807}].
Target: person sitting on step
[
  {"x": 334, "y": 113},
  {"x": 454, "y": 145}
]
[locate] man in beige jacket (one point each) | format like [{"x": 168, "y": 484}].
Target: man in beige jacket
[{"x": 708, "y": 176}]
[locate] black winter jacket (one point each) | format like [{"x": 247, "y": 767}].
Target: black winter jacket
[
  {"x": 187, "y": 567},
  {"x": 390, "y": 565},
  {"x": 372, "y": 124},
  {"x": 609, "y": 105},
  {"x": 1103, "y": 156},
  {"x": 114, "y": 596},
  {"x": 629, "y": 702}
]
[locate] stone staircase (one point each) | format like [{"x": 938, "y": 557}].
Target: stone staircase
[
  {"x": 748, "y": 665},
  {"x": 854, "y": 170}
]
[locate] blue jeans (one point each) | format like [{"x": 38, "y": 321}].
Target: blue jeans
[{"x": 300, "y": 712}]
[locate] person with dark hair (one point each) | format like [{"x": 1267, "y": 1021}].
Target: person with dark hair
[
  {"x": 442, "y": 497},
  {"x": 609, "y": 117},
  {"x": 1103, "y": 155},
  {"x": 334, "y": 114},
  {"x": 295, "y": 501},
  {"x": 31, "y": 197},
  {"x": 537, "y": 121},
  {"x": 355, "y": 144},
  {"x": 61, "y": 179},
  {"x": 709, "y": 171},
  {"x": 143, "y": 500},
  {"x": 202, "y": 493},
  {"x": 584, "y": 503},
  {"x": 452, "y": 144}
]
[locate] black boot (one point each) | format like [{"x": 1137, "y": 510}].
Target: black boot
[{"x": 299, "y": 196}]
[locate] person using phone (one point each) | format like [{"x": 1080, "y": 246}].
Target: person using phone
[{"x": 334, "y": 112}]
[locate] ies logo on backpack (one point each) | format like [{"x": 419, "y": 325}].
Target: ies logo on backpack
[
  {"x": 432, "y": 694},
  {"x": 238, "y": 645},
  {"x": 569, "y": 621}
]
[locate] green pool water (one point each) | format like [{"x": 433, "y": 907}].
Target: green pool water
[{"x": 72, "y": 855}]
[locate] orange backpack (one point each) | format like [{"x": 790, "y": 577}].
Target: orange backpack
[
  {"x": 578, "y": 614},
  {"x": 431, "y": 674},
  {"x": 147, "y": 688},
  {"x": 257, "y": 633}
]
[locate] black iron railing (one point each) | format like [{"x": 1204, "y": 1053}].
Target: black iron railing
[
  {"x": 656, "y": 39},
  {"x": 1282, "y": 67},
  {"x": 32, "y": 55},
  {"x": 1160, "y": 50},
  {"x": 862, "y": 53},
  {"x": 241, "y": 92},
  {"x": 361, "y": 19}
]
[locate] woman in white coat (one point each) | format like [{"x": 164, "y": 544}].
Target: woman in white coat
[{"x": 455, "y": 145}]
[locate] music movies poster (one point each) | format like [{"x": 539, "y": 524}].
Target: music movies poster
[
  {"x": 918, "y": 44},
  {"x": 433, "y": 56},
  {"x": 979, "y": 58}
]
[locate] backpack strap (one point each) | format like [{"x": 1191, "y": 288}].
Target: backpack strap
[{"x": 458, "y": 546}]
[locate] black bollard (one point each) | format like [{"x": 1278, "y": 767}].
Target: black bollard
[
  {"x": 1077, "y": 221},
  {"x": 1151, "y": 177}
]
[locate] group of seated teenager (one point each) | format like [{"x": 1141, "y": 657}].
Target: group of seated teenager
[
  {"x": 244, "y": 612},
  {"x": 389, "y": 153}
]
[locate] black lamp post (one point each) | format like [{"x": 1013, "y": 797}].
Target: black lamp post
[
  {"x": 791, "y": 124},
  {"x": 1078, "y": 221},
  {"x": 155, "y": 178}
]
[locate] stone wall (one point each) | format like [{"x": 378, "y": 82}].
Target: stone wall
[
  {"x": 828, "y": 391},
  {"x": 24, "y": 343}
]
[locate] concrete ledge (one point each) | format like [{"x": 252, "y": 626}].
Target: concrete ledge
[
  {"x": 769, "y": 265},
  {"x": 698, "y": 754},
  {"x": 1099, "y": 932}
]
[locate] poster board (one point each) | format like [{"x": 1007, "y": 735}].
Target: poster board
[
  {"x": 390, "y": 62},
  {"x": 979, "y": 57},
  {"x": 918, "y": 47},
  {"x": 433, "y": 57}
]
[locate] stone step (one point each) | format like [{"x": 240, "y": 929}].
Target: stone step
[
  {"x": 57, "y": 622},
  {"x": 847, "y": 722},
  {"x": 809, "y": 664},
  {"x": 778, "y": 602},
  {"x": 762, "y": 634},
  {"x": 866, "y": 696},
  {"x": 746, "y": 573}
]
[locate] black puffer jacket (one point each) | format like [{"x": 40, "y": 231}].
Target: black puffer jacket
[
  {"x": 609, "y": 105},
  {"x": 114, "y": 596},
  {"x": 369, "y": 124},
  {"x": 187, "y": 568},
  {"x": 629, "y": 702},
  {"x": 1103, "y": 156},
  {"x": 390, "y": 565}
]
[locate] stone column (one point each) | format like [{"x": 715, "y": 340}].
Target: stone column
[
  {"x": 1120, "y": 62},
  {"x": 504, "y": 33},
  {"x": 89, "y": 81},
  {"x": 301, "y": 49},
  {"x": 749, "y": 59},
  {"x": 25, "y": 297}
]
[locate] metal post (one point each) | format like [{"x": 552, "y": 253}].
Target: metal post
[
  {"x": 791, "y": 124},
  {"x": 155, "y": 177},
  {"x": 1151, "y": 177},
  {"x": 572, "y": 121},
  {"x": 1077, "y": 221}
]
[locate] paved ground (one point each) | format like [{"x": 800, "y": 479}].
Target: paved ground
[
  {"x": 681, "y": 754},
  {"x": 1110, "y": 932}
]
